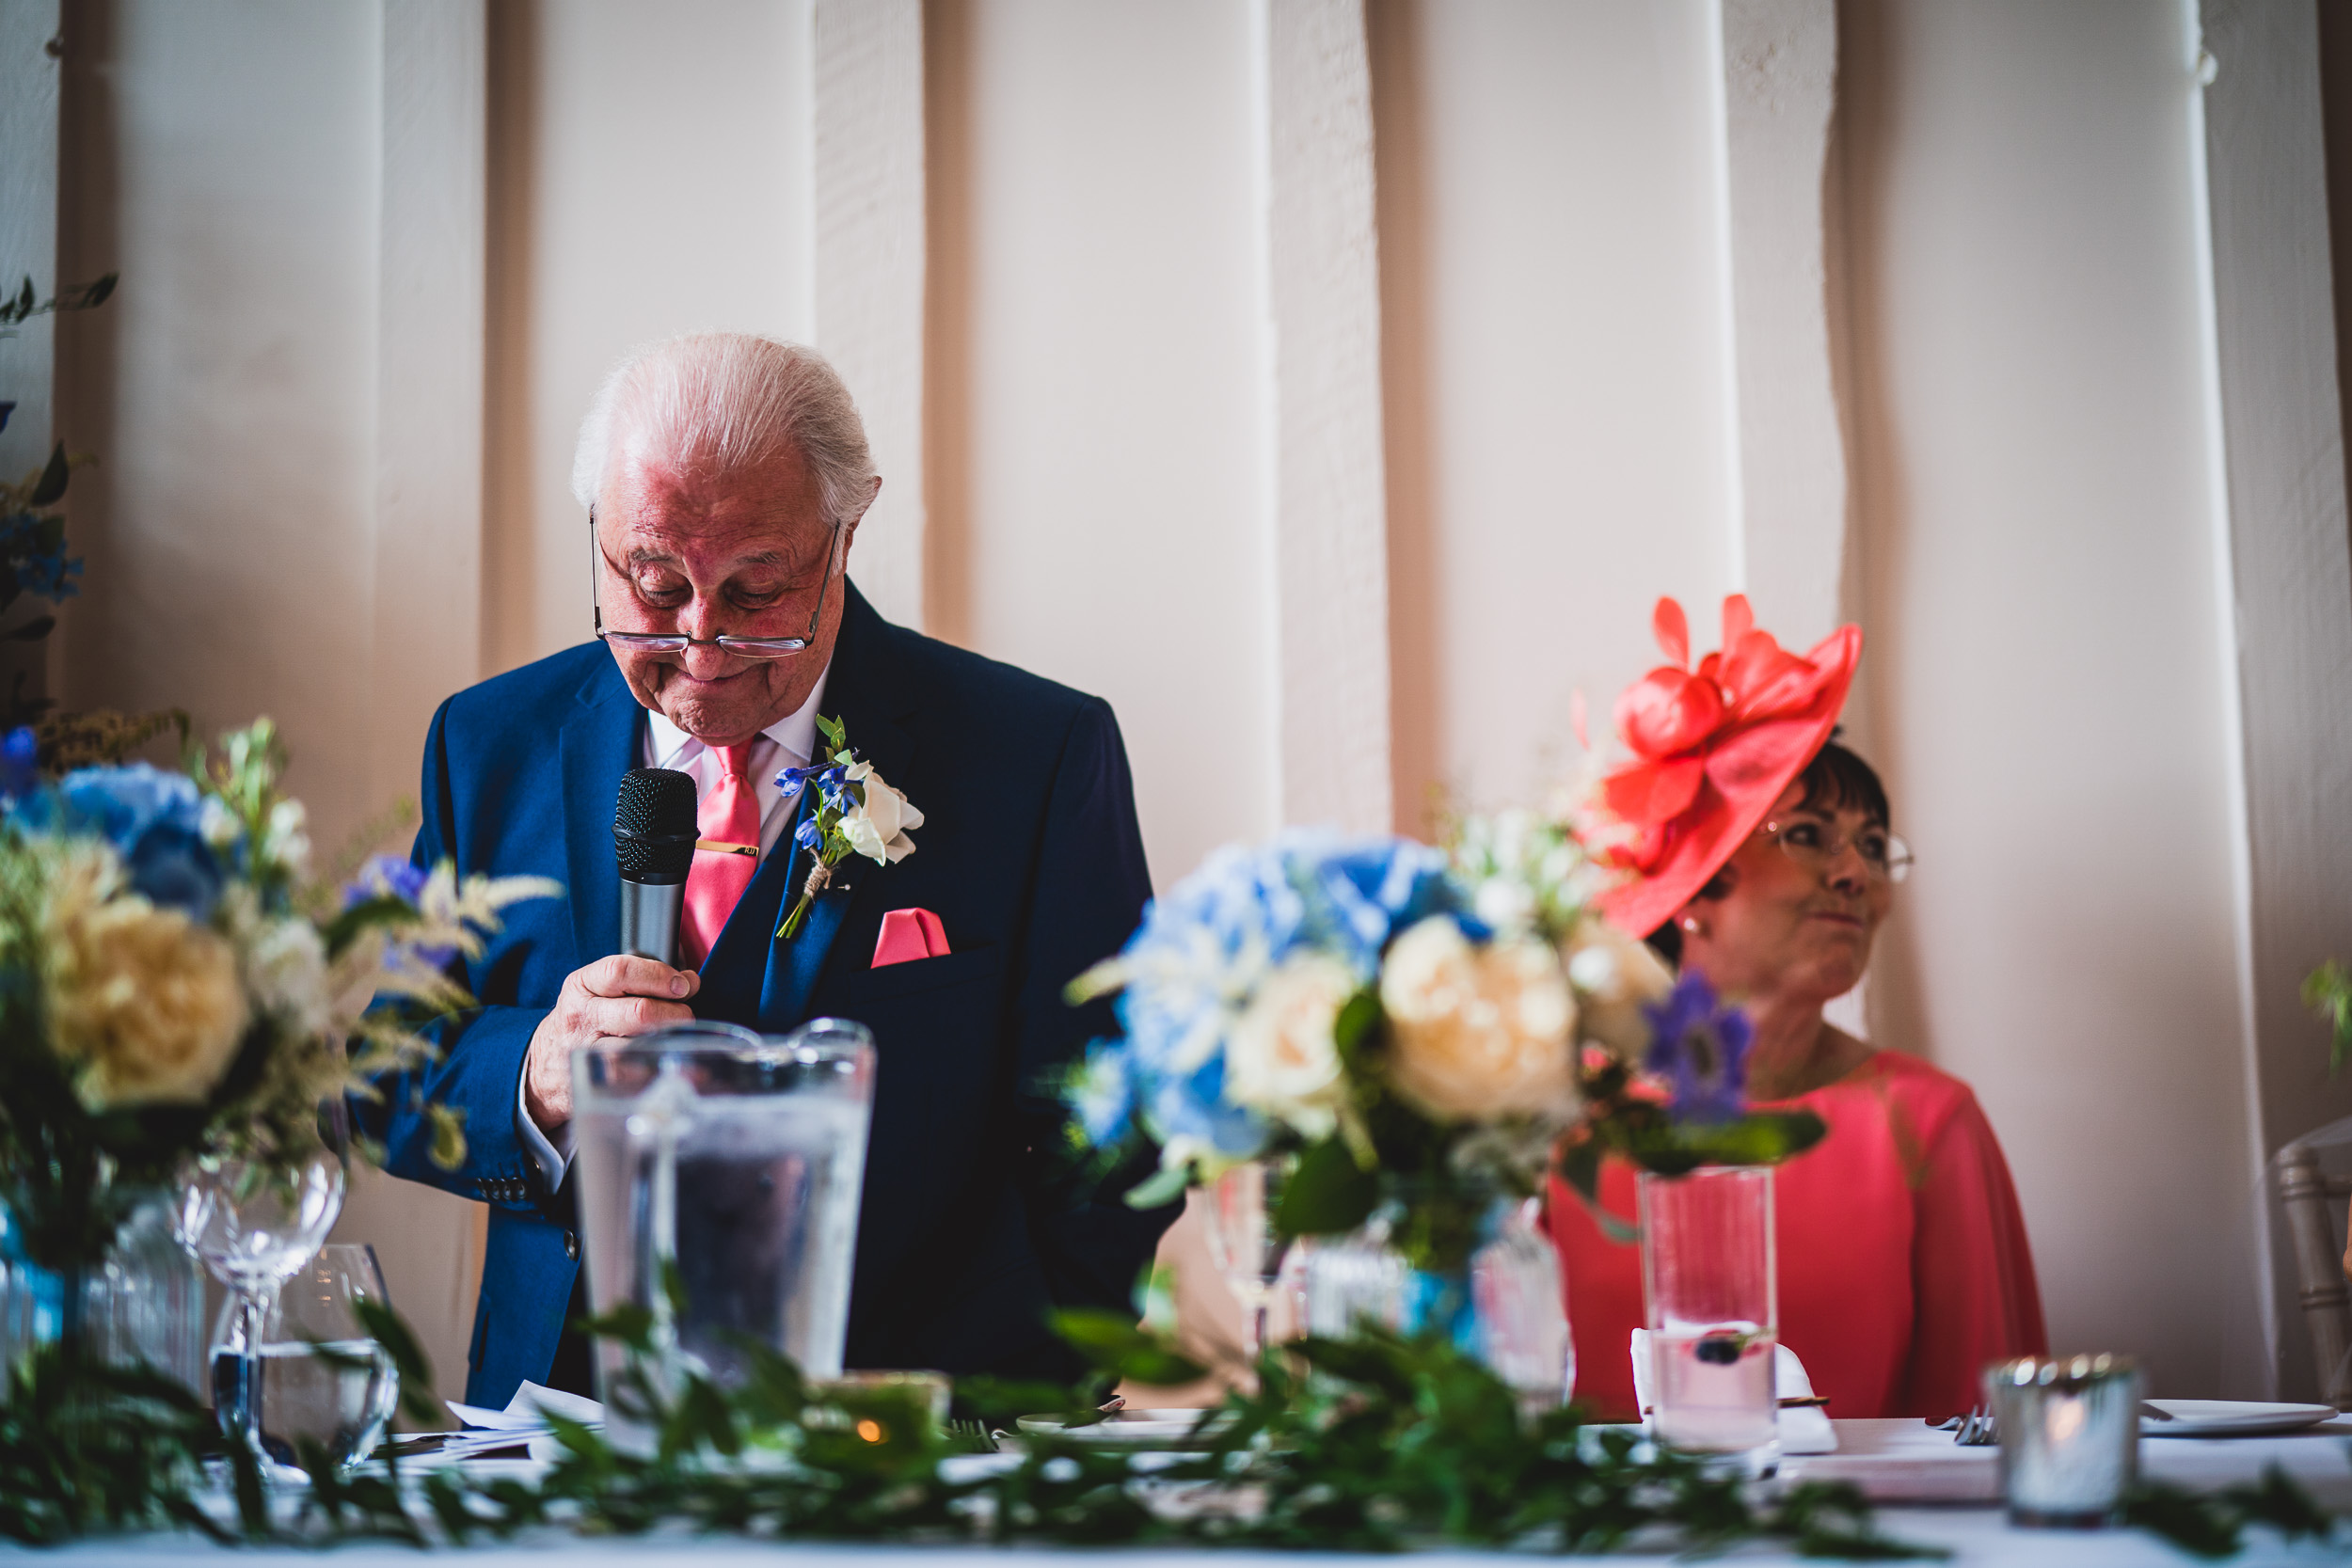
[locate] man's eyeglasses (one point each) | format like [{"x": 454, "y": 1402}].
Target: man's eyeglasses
[
  {"x": 678, "y": 643},
  {"x": 1813, "y": 846}
]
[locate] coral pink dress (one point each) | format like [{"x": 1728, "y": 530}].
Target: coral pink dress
[{"x": 1903, "y": 1261}]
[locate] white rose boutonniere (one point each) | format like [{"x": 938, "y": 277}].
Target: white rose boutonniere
[
  {"x": 1478, "y": 1034},
  {"x": 855, "y": 813}
]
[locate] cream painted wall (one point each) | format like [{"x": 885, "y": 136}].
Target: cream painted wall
[
  {"x": 1094, "y": 422},
  {"x": 1552, "y": 320},
  {"x": 223, "y": 159},
  {"x": 2033, "y": 560},
  {"x": 2038, "y": 591},
  {"x": 649, "y": 176}
]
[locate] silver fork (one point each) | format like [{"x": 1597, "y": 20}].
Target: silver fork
[
  {"x": 973, "y": 1435},
  {"x": 1977, "y": 1430}
]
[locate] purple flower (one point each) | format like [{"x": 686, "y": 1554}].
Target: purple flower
[
  {"x": 386, "y": 876},
  {"x": 1701, "y": 1047}
]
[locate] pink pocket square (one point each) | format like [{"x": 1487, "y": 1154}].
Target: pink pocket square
[{"x": 908, "y": 935}]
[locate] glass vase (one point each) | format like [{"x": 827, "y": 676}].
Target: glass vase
[
  {"x": 1710, "y": 1293},
  {"x": 142, "y": 1301},
  {"x": 1502, "y": 1304}
]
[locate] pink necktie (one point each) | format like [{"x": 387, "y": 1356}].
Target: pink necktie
[{"x": 729, "y": 815}]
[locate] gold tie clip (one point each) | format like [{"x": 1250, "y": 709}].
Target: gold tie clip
[{"x": 720, "y": 846}]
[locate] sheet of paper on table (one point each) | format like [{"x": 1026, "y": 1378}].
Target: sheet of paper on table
[{"x": 522, "y": 1423}]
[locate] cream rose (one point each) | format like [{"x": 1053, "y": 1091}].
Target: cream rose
[
  {"x": 1280, "y": 1058},
  {"x": 1614, "y": 973},
  {"x": 1478, "y": 1034},
  {"x": 877, "y": 830},
  {"x": 143, "y": 1002}
]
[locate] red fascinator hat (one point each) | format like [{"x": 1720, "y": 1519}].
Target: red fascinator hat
[{"x": 1712, "y": 748}]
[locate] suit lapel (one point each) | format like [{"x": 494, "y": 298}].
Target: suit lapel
[
  {"x": 600, "y": 742},
  {"x": 861, "y": 693}
]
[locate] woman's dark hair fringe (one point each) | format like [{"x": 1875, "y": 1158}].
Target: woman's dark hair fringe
[{"x": 1835, "y": 778}]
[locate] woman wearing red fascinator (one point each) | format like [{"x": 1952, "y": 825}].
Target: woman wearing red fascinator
[{"x": 1761, "y": 856}]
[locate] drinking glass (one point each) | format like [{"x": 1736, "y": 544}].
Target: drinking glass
[
  {"x": 1237, "y": 1222},
  {"x": 736, "y": 1161},
  {"x": 2069, "y": 1430},
  {"x": 1712, "y": 1301},
  {"x": 316, "y": 1374},
  {"x": 254, "y": 1228}
]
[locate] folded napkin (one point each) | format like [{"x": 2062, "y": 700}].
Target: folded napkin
[
  {"x": 1805, "y": 1429},
  {"x": 523, "y": 1420}
]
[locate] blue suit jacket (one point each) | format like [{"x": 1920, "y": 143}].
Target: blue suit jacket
[{"x": 975, "y": 1220}]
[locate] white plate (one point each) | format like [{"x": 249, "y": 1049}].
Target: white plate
[
  {"x": 1144, "y": 1428},
  {"x": 2230, "y": 1418}
]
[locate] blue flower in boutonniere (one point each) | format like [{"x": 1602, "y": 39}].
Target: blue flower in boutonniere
[
  {"x": 1700, "y": 1047},
  {"x": 857, "y": 814}
]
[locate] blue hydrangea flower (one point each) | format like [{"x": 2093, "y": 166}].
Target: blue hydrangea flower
[
  {"x": 19, "y": 757},
  {"x": 36, "y": 552},
  {"x": 155, "y": 820},
  {"x": 1205, "y": 947},
  {"x": 1102, "y": 1093},
  {"x": 1701, "y": 1047}
]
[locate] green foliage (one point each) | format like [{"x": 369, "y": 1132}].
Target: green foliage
[
  {"x": 2213, "y": 1524},
  {"x": 2328, "y": 992},
  {"x": 1624, "y": 1121},
  {"x": 87, "y": 1448},
  {"x": 22, "y": 305},
  {"x": 1375, "y": 1443}
]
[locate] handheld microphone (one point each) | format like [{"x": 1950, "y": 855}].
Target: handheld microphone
[{"x": 653, "y": 840}]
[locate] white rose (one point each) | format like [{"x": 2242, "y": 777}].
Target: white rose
[
  {"x": 1478, "y": 1034},
  {"x": 1280, "y": 1058},
  {"x": 216, "y": 824},
  {"x": 285, "y": 972},
  {"x": 1614, "y": 973},
  {"x": 877, "y": 830},
  {"x": 289, "y": 843}
]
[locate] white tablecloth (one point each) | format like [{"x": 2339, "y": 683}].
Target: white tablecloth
[{"x": 1870, "y": 1453}]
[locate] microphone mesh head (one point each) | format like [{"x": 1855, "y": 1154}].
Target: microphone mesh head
[{"x": 653, "y": 823}]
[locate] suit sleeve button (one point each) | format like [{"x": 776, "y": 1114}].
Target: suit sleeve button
[{"x": 571, "y": 1245}]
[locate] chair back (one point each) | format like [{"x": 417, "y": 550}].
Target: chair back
[{"x": 2305, "y": 1191}]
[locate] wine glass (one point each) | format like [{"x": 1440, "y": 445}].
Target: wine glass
[
  {"x": 318, "y": 1374},
  {"x": 1237, "y": 1222},
  {"x": 254, "y": 1228}
]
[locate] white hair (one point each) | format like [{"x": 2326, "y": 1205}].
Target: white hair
[{"x": 728, "y": 403}]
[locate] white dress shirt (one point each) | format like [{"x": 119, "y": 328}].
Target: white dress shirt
[{"x": 790, "y": 743}]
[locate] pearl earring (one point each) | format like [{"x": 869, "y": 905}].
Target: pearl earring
[{"x": 1691, "y": 924}]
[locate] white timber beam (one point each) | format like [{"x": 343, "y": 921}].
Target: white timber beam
[
  {"x": 2283, "y": 567},
  {"x": 867, "y": 239},
  {"x": 1778, "y": 80},
  {"x": 426, "y": 639},
  {"x": 432, "y": 276},
  {"x": 1324, "y": 486}
]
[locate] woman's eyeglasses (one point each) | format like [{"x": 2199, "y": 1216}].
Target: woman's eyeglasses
[
  {"x": 1812, "y": 845},
  {"x": 678, "y": 643}
]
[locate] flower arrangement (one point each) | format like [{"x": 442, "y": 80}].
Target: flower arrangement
[
  {"x": 1431, "y": 1026},
  {"x": 857, "y": 813},
  {"x": 170, "y": 989}
]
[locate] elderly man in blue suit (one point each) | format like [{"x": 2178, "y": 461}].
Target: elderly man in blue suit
[{"x": 724, "y": 478}]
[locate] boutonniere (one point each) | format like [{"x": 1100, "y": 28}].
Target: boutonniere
[{"x": 857, "y": 813}]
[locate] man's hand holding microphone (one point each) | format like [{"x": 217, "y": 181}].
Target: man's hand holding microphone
[{"x": 640, "y": 988}]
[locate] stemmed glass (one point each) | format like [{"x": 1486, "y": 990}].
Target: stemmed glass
[
  {"x": 255, "y": 1228},
  {"x": 1237, "y": 1222},
  {"x": 324, "y": 1379}
]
